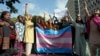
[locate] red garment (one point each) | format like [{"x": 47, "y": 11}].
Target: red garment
[
  {"x": 19, "y": 45},
  {"x": 12, "y": 34}
]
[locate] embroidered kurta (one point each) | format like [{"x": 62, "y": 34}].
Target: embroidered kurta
[{"x": 29, "y": 32}]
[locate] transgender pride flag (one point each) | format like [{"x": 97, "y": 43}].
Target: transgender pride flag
[{"x": 54, "y": 41}]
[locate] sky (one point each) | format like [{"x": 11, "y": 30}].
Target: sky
[{"x": 37, "y": 7}]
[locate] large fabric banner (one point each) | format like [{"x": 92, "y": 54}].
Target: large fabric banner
[{"x": 54, "y": 41}]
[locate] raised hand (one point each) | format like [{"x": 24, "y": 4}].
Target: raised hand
[
  {"x": 54, "y": 13},
  {"x": 86, "y": 10},
  {"x": 50, "y": 16},
  {"x": 44, "y": 13},
  {"x": 26, "y": 5},
  {"x": 84, "y": 4},
  {"x": 26, "y": 9}
]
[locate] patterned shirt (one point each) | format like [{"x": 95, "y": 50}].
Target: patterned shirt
[{"x": 20, "y": 30}]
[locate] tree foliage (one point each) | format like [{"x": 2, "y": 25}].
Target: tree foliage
[
  {"x": 10, "y": 5},
  {"x": 14, "y": 19},
  {"x": 34, "y": 19}
]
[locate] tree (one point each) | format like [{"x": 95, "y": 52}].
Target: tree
[
  {"x": 14, "y": 19},
  {"x": 35, "y": 16},
  {"x": 9, "y": 4}
]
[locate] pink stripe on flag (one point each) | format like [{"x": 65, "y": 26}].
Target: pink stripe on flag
[
  {"x": 64, "y": 35},
  {"x": 51, "y": 41},
  {"x": 56, "y": 45}
]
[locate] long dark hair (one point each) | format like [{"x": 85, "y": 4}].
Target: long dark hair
[
  {"x": 19, "y": 18},
  {"x": 63, "y": 19},
  {"x": 2, "y": 15},
  {"x": 81, "y": 21}
]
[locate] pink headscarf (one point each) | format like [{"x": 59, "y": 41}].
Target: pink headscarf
[{"x": 97, "y": 20}]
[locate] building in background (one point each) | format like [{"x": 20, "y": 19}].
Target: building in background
[
  {"x": 73, "y": 7},
  {"x": 92, "y": 5}
]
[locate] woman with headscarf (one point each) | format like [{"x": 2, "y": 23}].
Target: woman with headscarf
[{"x": 94, "y": 28}]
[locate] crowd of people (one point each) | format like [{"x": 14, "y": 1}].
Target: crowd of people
[
  {"x": 22, "y": 32},
  {"x": 15, "y": 34}
]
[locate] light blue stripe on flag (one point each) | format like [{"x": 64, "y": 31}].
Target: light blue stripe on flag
[
  {"x": 53, "y": 32},
  {"x": 55, "y": 50},
  {"x": 60, "y": 33}
]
